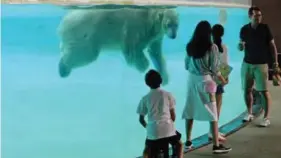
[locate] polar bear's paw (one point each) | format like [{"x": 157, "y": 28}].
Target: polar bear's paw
[
  {"x": 64, "y": 71},
  {"x": 142, "y": 64}
]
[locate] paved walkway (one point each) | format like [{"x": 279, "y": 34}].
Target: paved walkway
[{"x": 253, "y": 141}]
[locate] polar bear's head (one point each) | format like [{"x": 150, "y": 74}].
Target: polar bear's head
[{"x": 170, "y": 22}]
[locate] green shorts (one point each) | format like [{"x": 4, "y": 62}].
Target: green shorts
[{"x": 254, "y": 75}]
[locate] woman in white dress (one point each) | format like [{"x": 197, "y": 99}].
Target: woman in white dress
[
  {"x": 218, "y": 32},
  {"x": 202, "y": 62}
]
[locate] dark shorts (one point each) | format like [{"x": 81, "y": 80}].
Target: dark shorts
[
  {"x": 220, "y": 89},
  {"x": 173, "y": 140}
]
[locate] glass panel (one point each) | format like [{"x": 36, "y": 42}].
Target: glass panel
[{"x": 72, "y": 78}]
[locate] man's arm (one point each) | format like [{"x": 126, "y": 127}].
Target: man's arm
[
  {"x": 273, "y": 48},
  {"x": 241, "y": 44},
  {"x": 274, "y": 51}
]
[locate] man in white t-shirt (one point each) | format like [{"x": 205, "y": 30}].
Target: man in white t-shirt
[{"x": 159, "y": 106}]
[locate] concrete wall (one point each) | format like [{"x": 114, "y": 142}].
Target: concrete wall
[{"x": 271, "y": 10}]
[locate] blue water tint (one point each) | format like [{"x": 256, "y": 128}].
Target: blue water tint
[{"x": 93, "y": 112}]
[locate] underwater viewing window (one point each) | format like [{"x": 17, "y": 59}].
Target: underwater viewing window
[{"x": 73, "y": 71}]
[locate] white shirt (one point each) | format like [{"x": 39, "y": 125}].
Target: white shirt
[{"x": 157, "y": 105}]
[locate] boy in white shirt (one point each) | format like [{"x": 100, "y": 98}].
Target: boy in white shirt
[{"x": 159, "y": 106}]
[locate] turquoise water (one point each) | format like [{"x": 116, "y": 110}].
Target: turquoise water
[{"x": 92, "y": 113}]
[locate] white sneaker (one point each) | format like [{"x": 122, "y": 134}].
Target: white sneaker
[
  {"x": 221, "y": 149},
  {"x": 265, "y": 122},
  {"x": 221, "y": 134},
  {"x": 188, "y": 145},
  {"x": 248, "y": 118}
]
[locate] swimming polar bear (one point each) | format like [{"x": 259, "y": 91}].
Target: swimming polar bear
[{"x": 85, "y": 32}]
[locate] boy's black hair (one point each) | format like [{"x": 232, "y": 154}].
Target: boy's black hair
[
  {"x": 153, "y": 79},
  {"x": 252, "y": 9}
]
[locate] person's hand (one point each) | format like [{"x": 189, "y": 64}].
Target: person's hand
[
  {"x": 276, "y": 69},
  {"x": 223, "y": 81},
  {"x": 276, "y": 80},
  {"x": 226, "y": 80},
  {"x": 241, "y": 46}
]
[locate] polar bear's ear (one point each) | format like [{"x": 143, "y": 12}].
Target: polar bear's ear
[{"x": 160, "y": 16}]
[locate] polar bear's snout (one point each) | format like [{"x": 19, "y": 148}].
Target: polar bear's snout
[
  {"x": 171, "y": 23},
  {"x": 171, "y": 31}
]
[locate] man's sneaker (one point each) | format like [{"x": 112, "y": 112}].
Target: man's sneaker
[
  {"x": 248, "y": 118},
  {"x": 265, "y": 122},
  {"x": 221, "y": 149},
  {"x": 221, "y": 137},
  {"x": 188, "y": 145}
]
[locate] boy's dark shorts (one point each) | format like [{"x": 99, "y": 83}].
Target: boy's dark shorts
[
  {"x": 173, "y": 140},
  {"x": 220, "y": 89}
]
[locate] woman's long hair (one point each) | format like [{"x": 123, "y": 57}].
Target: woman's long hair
[
  {"x": 218, "y": 32},
  {"x": 201, "y": 41}
]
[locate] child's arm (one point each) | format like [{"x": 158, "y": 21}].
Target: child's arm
[
  {"x": 172, "y": 103},
  {"x": 215, "y": 63},
  {"x": 225, "y": 51},
  {"x": 142, "y": 111},
  {"x": 142, "y": 121},
  {"x": 173, "y": 114}
]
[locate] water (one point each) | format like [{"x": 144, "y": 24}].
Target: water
[{"x": 92, "y": 113}]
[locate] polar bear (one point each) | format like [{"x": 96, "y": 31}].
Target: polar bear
[{"x": 85, "y": 33}]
